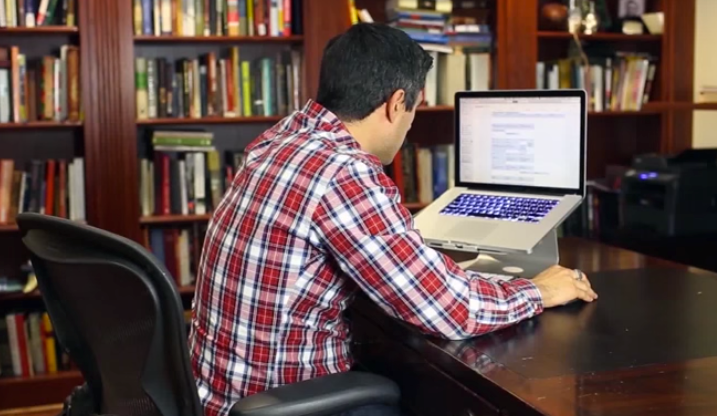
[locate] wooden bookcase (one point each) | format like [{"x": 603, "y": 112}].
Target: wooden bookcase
[{"x": 108, "y": 135}]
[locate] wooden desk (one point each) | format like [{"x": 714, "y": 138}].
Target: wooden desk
[{"x": 648, "y": 346}]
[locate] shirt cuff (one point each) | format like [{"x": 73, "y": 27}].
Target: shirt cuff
[{"x": 529, "y": 289}]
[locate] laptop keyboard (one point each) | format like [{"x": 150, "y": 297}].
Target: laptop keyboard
[{"x": 509, "y": 208}]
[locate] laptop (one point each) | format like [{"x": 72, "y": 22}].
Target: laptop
[{"x": 519, "y": 170}]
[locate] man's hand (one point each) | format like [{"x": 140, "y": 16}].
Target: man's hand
[{"x": 559, "y": 286}]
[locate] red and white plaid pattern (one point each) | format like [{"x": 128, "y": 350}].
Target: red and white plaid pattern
[{"x": 308, "y": 221}]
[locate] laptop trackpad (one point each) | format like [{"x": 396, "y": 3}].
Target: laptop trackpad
[{"x": 472, "y": 234}]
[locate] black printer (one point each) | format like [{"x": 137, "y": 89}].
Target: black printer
[{"x": 672, "y": 196}]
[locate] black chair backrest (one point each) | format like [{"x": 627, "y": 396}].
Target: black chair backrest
[{"x": 117, "y": 312}]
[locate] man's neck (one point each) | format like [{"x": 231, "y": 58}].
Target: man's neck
[{"x": 364, "y": 133}]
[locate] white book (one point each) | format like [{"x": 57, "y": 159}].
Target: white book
[
  {"x": 5, "y": 95},
  {"x": 479, "y": 77},
  {"x": 157, "y": 14},
  {"x": 200, "y": 190},
  {"x": 11, "y": 13},
  {"x": 64, "y": 110},
  {"x": 42, "y": 12},
  {"x": 430, "y": 93},
  {"x": 166, "y": 17},
  {"x": 183, "y": 197},
  {"x": 189, "y": 26},
  {"x": 196, "y": 90},
  {"x": 540, "y": 76},
  {"x": 185, "y": 273},
  {"x": 3, "y": 19},
  {"x": 151, "y": 88}
]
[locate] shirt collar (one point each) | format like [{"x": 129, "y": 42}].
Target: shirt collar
[{"x": 324, "y": 120}]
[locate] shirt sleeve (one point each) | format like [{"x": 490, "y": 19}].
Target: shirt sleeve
[{"x": 361, "y": 223}]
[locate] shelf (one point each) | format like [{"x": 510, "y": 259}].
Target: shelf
[
  {"x": 186, "y": 290},
  {"x": 694, "y": 106},
  {"x": 34, "y": 295},
  {"x": 31, "y": 125},
  {"x": 173, "y": 219},
  {"x": 435, "y": 108},
  {"x": 210, "y": 120},
  {"x": 613, "y": 37},
  {"x": 178, "y": 219},
  {"x": 40, "y": 30},
  {"x": 643, "y": 112},
  {"x": 218, "y": 39},
  {"x": 18, "y": 392},
  {"x": 8, "y": 228},
  {"x": 414, "y": 206}
]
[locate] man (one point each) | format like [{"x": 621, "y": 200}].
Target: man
[{"x": 312, "y": 219}]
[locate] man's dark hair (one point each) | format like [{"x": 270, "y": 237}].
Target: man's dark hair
[{"x": 362, "y": 67}]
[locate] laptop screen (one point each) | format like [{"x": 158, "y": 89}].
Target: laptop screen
[{"x": 521, "y": 141}]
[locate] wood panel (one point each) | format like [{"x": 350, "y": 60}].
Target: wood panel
[
  {"x": 517, "y": 52},
  {"x": 678, "y": 66},
  {"x": 109, "y": 106},
  {"x": 19, "y": 392},
  {"x": 323, "y": 19}
]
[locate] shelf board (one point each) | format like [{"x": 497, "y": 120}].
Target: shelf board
[
  {"x": 179, "y": 219},
  {"x": 218, "y": 39},
  {"x": 643, "y": 112},
  {"x": 414, "y": 206},
  {"x": 210, "y": 120},
  {"x": 614, "y": 37},
  {"x": 186, "y": 290},
  {"x": 693, "y": 106},
  {"x": 19, "y": 392},
  {"x": 34, "y": 295},
  {"x": 40, "y": 30},
  {"x": 435, "y": 108},
  {"x": 173, "y": 219},
  {"x": 60, "y": 375},
  {"x": 32, "y": 125},
  {"x": 8, "y": 228}
]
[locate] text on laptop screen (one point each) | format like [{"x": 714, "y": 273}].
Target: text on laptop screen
[{"x": 524, "y": 141}]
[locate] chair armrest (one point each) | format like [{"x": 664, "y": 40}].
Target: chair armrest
[{"x": 326, "y": 395}]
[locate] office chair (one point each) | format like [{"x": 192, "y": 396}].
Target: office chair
[{"x": 117, "y": 312}]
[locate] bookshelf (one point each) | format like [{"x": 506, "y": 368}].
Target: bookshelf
[
  {"x": 112, "y": 139},
  {"x": 217, "y": 39}
]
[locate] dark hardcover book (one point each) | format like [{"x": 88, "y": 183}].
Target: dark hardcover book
[
  {"x": 175, "y": 185},
  {"x": 186, "y": 87},
  {"x": 203, "y": 90},
  {"x": 213, "y": 29},
  {"x": 171, "y": 86},
  {"x": 297, "y": 20},
  {"x": 179, "y": 93},
  {"x": 161, "y": 87}
]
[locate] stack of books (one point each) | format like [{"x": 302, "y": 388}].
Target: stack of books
[{"x": 460, "y": 46}]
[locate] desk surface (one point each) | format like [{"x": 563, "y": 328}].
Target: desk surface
[{"x": 648, "y": 346}]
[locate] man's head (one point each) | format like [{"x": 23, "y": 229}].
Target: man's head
[{"x": 372, "y": 77}]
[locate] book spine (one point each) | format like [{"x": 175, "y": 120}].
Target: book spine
[
  {"x": 147, "y": 28},
  {"x": 151, "y": 88},
  {"x": 141, "y": 88}
]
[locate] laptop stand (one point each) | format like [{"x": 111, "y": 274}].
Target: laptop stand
[{"x": 545, "y": 254}]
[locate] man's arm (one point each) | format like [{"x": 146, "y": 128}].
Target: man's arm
[{"x": 361, "y": 223}]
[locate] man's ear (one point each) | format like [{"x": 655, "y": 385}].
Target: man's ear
[{"x": 395, "y": 105}]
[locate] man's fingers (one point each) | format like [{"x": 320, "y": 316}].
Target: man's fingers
[
  {"x": 587, "y": 295},
  {"x": 585, "y": 292},
  {"x": 585, "y": 279}
]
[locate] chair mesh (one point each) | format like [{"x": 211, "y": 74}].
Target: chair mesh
[{"x": 119, "y": 333}]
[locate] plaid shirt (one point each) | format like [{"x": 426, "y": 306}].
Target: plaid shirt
[{"x": 310, "y": 220}]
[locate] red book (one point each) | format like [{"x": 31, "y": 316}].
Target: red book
[{"x": 50, "y": 188}]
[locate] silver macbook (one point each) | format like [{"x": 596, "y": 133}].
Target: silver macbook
[{"x": 520, "y": 170}]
